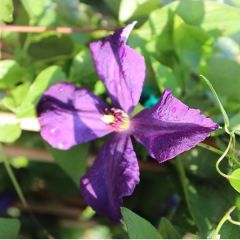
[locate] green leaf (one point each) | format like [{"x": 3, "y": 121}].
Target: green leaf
[
  {"x": 224, "y": 114},
  {"x": 234, "y": 179},
  {"x": 47, "y": 46},
  {"x": 155, "y": 24},
  {"x": 222, "y": 17},
  {"x": 9, "y": 228},
  {"x": 192, "y": 11},
  {"x": 189, "y": 41},
  {"x": 99, "y": 88},
  {"x": 212, "y": 15},
  {"x": 113, "y": 5},
  {"x": 138, "y": 227},
  {"x": 6, "y": 11},
  {"x": 224, "y": 74},
  {"x": 235, "y": 123},
  {"x": 137, "y": 109},
  {"x": 82, "y": 69},
  {"x": 136, "y": 8},
  {"x": 165, "y": 41},
  {"x": 201, "y": 198},
  {"x": 44, "y": 80},
  {"x": 42, "y": 13},
  {"x": 165, "y": 77},
  {"x": 68, "y": 10},
  {"x": 15, "y": 97},
  {"x": 72, "y": 161},
  {"x": 167, "y": 230},
  {"x": 229, "y": 231},
  {"x": 10, "y": 73},
  {"x": 196, "y": 162},
  {"x": 9, "y": 132}
]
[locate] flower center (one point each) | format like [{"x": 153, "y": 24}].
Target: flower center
[{"x": 117, "y": 119}]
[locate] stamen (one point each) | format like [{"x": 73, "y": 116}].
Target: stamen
[
  {"x": 117, "y": 119},
  {"x": 108, "y": 119}
]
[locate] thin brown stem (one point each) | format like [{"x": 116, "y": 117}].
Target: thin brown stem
[{"x": 39, "y": 29}]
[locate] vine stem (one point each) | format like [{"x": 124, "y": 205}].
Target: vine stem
[
  {"x": 210, "y": 148},
  {"x": 218, "y": 151},
  {"x": 20, "y": 192},
  {"x": 222, "y": 157},
  {"x": 13, "y": 178},
  {"x": 226, "y": 217},
  {"x": 225, "y": 116}
]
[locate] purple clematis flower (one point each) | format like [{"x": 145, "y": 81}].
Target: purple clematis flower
[{"x": 70, "y": 116}]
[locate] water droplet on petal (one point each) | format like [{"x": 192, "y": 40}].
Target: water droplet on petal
[
  {"x": 61, "y": 145},
  {"x": 53, "y": 130}
]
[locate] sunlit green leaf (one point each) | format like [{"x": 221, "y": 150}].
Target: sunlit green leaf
[
  {"x": 10, "y": 73},
  {"x": 155, "y": 23},
  {"x": 15, "y": 97},
  {"x": 211, "y": 14},
  {"x": 136, "y": 8},
  {"x": 9, "y": 228},
  {"x": 42, "y": 13},
  {"x": 165, "y": 41},
  {"x": 137, "y": 109},
  {"x": 45, "y": 79},
  {"x": 138, "y": 227},
  {"x": 19, "y": 162},
  {"x": 192, "y": 11},
  {"x": 222, "y": 17},
  {"x": 165, "y": 77},
  {"x": 224, "y": 74},
  {"x": 189, "y": 41},
  {"x": 99, "y": 87},
  {"x": 82, "y": 66},
  {"x": 9, "y": 132},
  {"x": 234, "y": 179},
  {"x": 82, "y": 70},
  {"x": 6, "y": 11}
]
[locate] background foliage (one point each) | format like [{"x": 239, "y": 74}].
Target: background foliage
[{"x": 180, "y": 40}]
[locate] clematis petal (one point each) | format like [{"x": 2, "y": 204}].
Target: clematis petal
[
  {"x": 120, "y": 67},
  {"x": 70, "y": 116},
  {"x": 113, "y": 175},
  {"x": 170, "y": 127}
]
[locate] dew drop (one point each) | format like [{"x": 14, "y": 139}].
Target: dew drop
[
  {"x": 53, "y": 130},
  {"x": 61, "y": 145}
]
